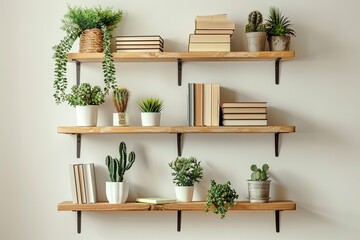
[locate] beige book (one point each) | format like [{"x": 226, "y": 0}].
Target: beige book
[
  {"x": 214, "y": 31},
  {"x": 243, "y": 104},
  {"x": 77, "y": 183},
  {"x": 244, "y": 110},
  {"x": 248, "y": 122},
  {"x": 214, "y": 24},
  {"x": 209, "y": 47},
  {"x": 215, "y": 104},
  {"x": 207, "y": 104},
  {"x": 82, "y": 183},
  {"x": 217, "y": 17},
  {"x": 209, "y": 38},
  {"x": 244, "y": 116},
  {"x": 199, "y": 104},
  {"x": 140, "y": 50}
]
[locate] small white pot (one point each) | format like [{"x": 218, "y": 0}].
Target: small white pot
[
  {"x": 150, "y": 118},
  {"x": 120, "y": 119},
  {"x": 255, "y": 41},
  {"x": 87, "y": 115},
  {"x": 117, "y": 192},
  {"x": 184, "y": 194}
]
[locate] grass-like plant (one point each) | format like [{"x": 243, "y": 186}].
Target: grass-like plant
[
  {"x": 120, "y": 99},
  {"x": 277, "y": 24},
  {"x": 151, "y": 104},
  {"x": 187, "y": 171},
  {"x": 75, "y": 21},
  {"x": 259, "y": 174},
  {"x": 255, "y": 22},
  {"x": 220, "y": 197},
  {"x": 84, "y": 95}
]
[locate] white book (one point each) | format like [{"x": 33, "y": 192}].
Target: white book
[
  {"x": 73, "y": 184},
  {"x": 90, "y": 183},
  {"x": 207, "y": 104}
]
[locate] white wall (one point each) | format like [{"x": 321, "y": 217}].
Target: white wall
[{"x": 317, "y": 167}]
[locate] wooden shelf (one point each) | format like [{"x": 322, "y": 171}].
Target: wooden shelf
[{"x": 276, "y": 206}]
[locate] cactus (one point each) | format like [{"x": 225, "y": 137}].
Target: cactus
[
  {"x": 120, "y": 99},
  {"x": 255, "y": 22},
  {"x": 117, "y": 167},
  {"x": 259, "y": 174}
]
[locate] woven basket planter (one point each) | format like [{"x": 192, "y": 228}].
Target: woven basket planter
[{"x": 91, "y": 41}]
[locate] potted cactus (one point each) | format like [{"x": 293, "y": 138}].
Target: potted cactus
[
  {"x": 255, "y": 32},
  {"x": 117, "y": 190},
  {"x": 150, "y": 111},
  {"x": 278, "y": 30},
  {"x": 259, "y": 185},
  {"x": 120, "y": 99},
  {"x": 220, "y": 198},
  {"x": 186, "y": 172}
]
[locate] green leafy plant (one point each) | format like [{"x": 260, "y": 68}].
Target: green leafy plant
[
  {"x": 117, "y": 167},
  {"x": 220, "y": 197},
  {"x": 75, "y": 21},
  {"x": 255, "y": 22},
  {"x": 84, "y": 95},
  {"x": 259, "y": 174},
  {"x": 187, "y": 171},
  {"x": 120, "y": 99},
  {"x": 277, "y": 24},
  {"x": 151, "y": 104}
]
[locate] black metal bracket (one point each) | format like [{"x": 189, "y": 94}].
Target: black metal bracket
[
  {"x": 179, "y": 61},
  {"x": 277, "y": 70},
  {"x": 78, "y": 64},
  {"x": 179, "y": 143},
  {"x": 277, "y": 144},
  {"x": 78, "y": 145},
  {"x": 78, "y": 219},
  {"x": 277, "y": 220},
  {"x": 178, "y": 221}
]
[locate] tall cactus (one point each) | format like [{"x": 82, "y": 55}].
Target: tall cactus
[
  {"x": 120, "y": 99},
  {"x": 255, "y": 22},
  {"x": 117, "y": 167}
]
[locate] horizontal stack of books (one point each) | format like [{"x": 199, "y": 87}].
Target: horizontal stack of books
[
  {"x": 83, "y": 184},
  {"x": 148, "y": 43},
  {"x": 212, "y": 33},
  {"x": 204, "y": 104},
  {"x": 243, "y": 113}
]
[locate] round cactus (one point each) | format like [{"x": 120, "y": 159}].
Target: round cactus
[{"x": 255, "y": 22}]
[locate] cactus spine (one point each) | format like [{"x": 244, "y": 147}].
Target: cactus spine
[
  {"x": 117, "y": 167},
  {"x": 259, "y": 174},
  {"x": 120, "y": 99},
  {"x": 255, "y": 22}
]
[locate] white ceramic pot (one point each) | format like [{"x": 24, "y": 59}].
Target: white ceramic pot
[
  {"x": 279, "y": 43},
  {"x": 120, "y": 119},
  {"x": 259, "y": 191},
  {"x": 87, "y": 115},
  {"x": 150, "y": 118},
  {"x": 117, "y": 192},
  {"x": 184, "y": 194},
  {"x": 255, "y": 41}
]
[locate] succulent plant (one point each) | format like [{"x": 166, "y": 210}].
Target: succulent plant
[
  {"x": 84, "y": 95},
  {"x": 221, "y": 197},
  {"x": 255, "y": 22},
  {"x": 277, "y": 24},
  {"x": 151, "y": 104},
  {"x": 259, "y": 174},
  {"x": 120, "y": 99},
  {"x": 117, "y": 167},
  {"x": 187, "y": 171}
]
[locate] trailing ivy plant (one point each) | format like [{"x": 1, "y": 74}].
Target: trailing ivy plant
[
  {"x": 221, "y": 197},
  {"x": 84, "y": 95},
  {"x": 75, "y": 21}
]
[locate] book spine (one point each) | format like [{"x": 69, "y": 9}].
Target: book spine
[
  {"x": 82, "y": 183},
  {"x": 73, "y": 184},
  {"x": 90, "y": 183}
]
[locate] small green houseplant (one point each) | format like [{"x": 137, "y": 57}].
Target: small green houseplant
[
  {"x": 97, "y": 23},
  {"x": 86, "y": 100},
  {"x": 117, "y": 190},
  {"x": 278, "y": 30},
  {"x": 259, "y": 185},
  {"x": 150, "y": 111},
  {"x": 220, "y": 198},
  {"x": 255, "y": 32},
  {"x": 120, "y": 100}
]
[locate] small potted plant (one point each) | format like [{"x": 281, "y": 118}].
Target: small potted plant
[
  {"x": 220, "y": 198},
  {"x": 278, "y": 30},
  {"x": 255, "y": 32},
  {"x": 150, "y": 111},
  {"x": 117, "y": 190},
  {"x": 94, "y": 27},
  {"x": 86, "y": 99},
  {"x": 187, "y": 171},
  {"x": 259, "y": 185},
  {"x": 120, "y": 99}
]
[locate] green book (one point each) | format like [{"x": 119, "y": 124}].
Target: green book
[{"x": 156, "y": 200}]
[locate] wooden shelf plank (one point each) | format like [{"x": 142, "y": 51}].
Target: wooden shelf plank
[
  {"x": 184, "y": 56},
  {"x": 191, "y": 206},
  {"x": 173, "y": 129}
]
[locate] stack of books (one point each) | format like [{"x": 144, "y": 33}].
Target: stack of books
[
  {"x": 83, "y": 184},
  {"x": 149, "y": 43},
  {"x": 243, "y": 113},
  {"x": 204, "y": 104},
  {"x": 212, "y": 33}
]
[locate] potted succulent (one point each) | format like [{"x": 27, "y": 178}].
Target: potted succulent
[
  {"x": 220, "y": 198},
  {"x": 120, "y": 100},
  {"x": 259, "y": 185},
  {"x": 86, "y": 99},
  {"x": 278, "y": 30},
  {"x": 186, "y": 172},
  {"x": 150, "y": 111},
  {"x": 117, "y": 190},
  {"x": 94, "y": 27},
  {"x": 255, "y": 32}
]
